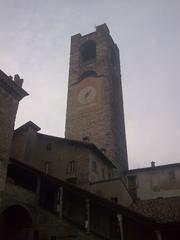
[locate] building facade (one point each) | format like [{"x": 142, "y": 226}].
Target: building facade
[
  {"x": 81, "y": 163},
  {"x": 154, "y": 182}
]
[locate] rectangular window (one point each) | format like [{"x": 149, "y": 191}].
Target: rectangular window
[
  {"x": 46, "y": 165},
  {"x": 36, "y": 235},
  {"x": 132, "y": 186},
  {"x": 172, "y": 176},
  {"x": 48, "y": 147},
  {"x": 103, "y": 173},
  {"x": 110, "y": 175},
  {"x": 72, "y": 166},
  {"x": 94, "y": 167},
  {"x": 53, "y": 237},
  {"x": 114, "y": 199}
]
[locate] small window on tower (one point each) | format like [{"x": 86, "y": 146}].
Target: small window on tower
[
  {"x": 113, "y": 56},
  {"x": 88, "y": 51}
]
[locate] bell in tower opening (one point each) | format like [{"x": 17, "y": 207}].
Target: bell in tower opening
[{"x": 95, "y": 100}]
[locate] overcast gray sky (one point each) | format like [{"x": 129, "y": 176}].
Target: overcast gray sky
[{"x": 35, "y": 43}]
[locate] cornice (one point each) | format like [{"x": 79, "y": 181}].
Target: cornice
[{"x": 11, "y": 87}]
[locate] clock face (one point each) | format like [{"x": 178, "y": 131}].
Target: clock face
[{"x": 87, "y": 95}]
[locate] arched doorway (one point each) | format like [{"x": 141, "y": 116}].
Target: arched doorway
[{"x": 15, "y": 223}]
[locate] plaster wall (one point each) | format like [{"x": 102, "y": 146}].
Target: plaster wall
[
  {"x": 19, "y": 144},
  {"x": 38, "y": 150},
  {"x": 111, "y": 189},
  {"x": 158, "y": 182}
]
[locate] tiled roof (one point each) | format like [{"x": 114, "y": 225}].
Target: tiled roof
[{"x": 162, "y": 210}]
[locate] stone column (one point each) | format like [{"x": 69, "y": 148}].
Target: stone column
[
  {"x": 60, "y": 201},
  {"x": 87, "y": 221},
  {"x": 120, "y": 220},
  {"x": 158, "y": 235},
  {"x": 38, "y": 187}
]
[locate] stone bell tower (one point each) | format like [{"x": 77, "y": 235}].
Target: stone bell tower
[{"x": 95, "y": 101}]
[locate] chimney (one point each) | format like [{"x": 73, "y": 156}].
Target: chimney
[
  {"x": 86, "y": 139},
  {"x": 103, "y": 150},
  {"x": 152, "y": 164},
  {"x": 18, "y": 80}
]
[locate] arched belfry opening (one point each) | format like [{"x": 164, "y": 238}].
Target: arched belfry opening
[
  {"x": 16, "y": 223},
  {"x": 88, "y": 51}
]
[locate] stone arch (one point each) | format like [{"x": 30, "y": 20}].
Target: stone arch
[
  {"x": 88, "y": 74},
  {"x": 16, "y": 223},
  {"x": 88, "y": 51}
]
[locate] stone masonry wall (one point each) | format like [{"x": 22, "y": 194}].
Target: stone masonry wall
[
  {"x": 10, "y": 95},
  {"x": 113, "y": 189},
  {"x": 104, "y": 123},
  {"x": 8, "y": 108},
  {"x": 38, "y": 150},
  {"x": 46, "y": 223},
  {"x": 157, "y": 182}
]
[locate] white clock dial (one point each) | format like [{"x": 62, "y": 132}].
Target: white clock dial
[{"x": 87, "y": 95}]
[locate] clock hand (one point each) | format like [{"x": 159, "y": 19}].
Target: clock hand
[{"x": 87, "y": 94}]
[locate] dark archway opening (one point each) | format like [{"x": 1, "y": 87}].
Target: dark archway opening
[
  {"x": 88, "y": 51},
  {"x": 16, "y": 224}
]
